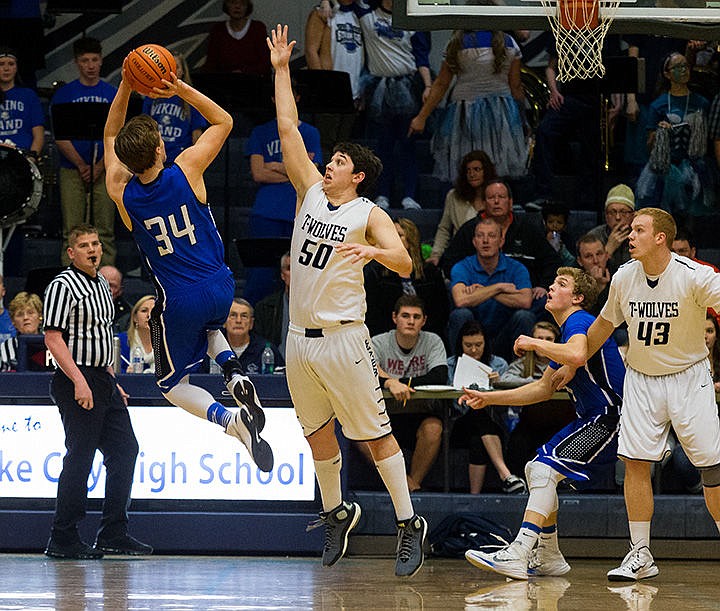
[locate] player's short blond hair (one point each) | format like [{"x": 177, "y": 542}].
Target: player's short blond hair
[
  {"x": 583, "y": 284},
  {"x": 663, "y": 222}
]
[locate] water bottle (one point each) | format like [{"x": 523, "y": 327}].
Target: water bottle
[
  {"x": 555, "y": 241},
  {"x": 512, "y": 418},
  {"x": 137, "y": 360},
  {"x": 268, "y": 359},
  {"x": 117, "y": 352},
  {"x": 214, "y": 367}
]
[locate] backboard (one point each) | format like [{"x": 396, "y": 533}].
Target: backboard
[{"x": 680, "y": 18}]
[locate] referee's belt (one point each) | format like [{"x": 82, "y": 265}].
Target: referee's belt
[{"x": 319, "y": 331}]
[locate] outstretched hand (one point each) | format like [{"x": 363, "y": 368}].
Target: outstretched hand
[{"x": 280, "y": 48}]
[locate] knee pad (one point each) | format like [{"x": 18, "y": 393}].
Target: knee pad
[
  {"x": 542, "y": 482},
  {"x": 710, "y": 476}
]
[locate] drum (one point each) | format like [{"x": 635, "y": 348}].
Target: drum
[{"x": 21, "y": 186}]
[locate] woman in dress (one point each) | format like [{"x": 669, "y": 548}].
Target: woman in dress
[{"x": 484, "y": 107}]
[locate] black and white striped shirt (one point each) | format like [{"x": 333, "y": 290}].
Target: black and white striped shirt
[
  {"x": 8, "y": 354},
  {"x": 82, "y": 308}
]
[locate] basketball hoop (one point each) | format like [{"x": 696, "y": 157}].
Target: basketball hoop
[{"x": 580, "y": 27}]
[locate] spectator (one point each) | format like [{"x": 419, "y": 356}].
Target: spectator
[
  {"x": 619, "y": 211},
  {"x": 531, "y": 365},
  {"x": 138, "y": 336},
  {"x": 712, "y": 330},
  {"x": 465, "y": 201},
  {"x": 334, "y": 41},
  {"x": 122, "y": 308},
  {"x": 555, "y": 218},
  {"x": 180, "y": 124},
  {"x": 483, "y": 111},
  {"x": 593, "y": 258},
  {"x": 271, "y": 313},
  {"x": 7, "y": 330},
  {"x": 247, "y": 345},
  {"x": 22, "y": 28},
  {"x": 676, "y": 178},
  {"x": 523, "y": 239},
  {"x": 407, "y": 357},
  {"x": 273, "y": 211},
  {"x": 383, "y": 287},
  {"x": 26, "y": 314},
  {"x": 477, "y": 429},
  {"x": 22, "y": 114},
  {"x": 684, "y": 244},
  {"x": 653, "y": 50},
  {"x": 491, "y": 287},
  {"x": 82, "y": 167},
  {"x": 398, "y": 81},
  {"x": 238, "y": 44}
]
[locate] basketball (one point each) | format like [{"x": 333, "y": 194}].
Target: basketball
[{"x": 147, "y": 66}]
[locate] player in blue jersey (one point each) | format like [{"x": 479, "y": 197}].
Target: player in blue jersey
[
  {"x": 578, "y": 449},
  {"x": 167, "y": 212}
]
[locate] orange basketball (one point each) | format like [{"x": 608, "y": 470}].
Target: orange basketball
[{"x": 147, "y": 65}]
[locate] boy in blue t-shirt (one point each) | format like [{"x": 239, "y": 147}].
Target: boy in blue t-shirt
[{"x": 82, "y": 166}]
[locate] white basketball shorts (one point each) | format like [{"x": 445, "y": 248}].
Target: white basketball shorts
[
  {"x": 335, "y": 375},
  {"x": 685, "y": 401}
]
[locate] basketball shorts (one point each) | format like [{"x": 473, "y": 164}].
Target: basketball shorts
[
  {"x": 336, "y": 375},
  {"x": 685, "y": 401},
  {"x": 577, "y": 450},
  {"x": 179, "y": 324}
]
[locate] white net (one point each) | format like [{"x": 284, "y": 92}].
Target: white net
[{"x": 580, "y": 27}]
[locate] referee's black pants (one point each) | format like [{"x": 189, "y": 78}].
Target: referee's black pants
[{"x": 107, "y": 428}]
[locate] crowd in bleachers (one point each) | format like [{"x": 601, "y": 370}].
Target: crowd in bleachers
[{"x": 481, "y": 266}]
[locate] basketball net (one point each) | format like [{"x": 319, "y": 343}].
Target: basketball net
[{"x": 580, "y": 27}]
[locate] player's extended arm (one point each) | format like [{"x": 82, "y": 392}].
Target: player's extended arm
[
  {"x": 390, "y": 252},
  {"x": 570, "y": 353},
  {"x": 534, "y": 392},
  {"x": 300, "y": 169},
  {"x": 597, "y": 335},
  {"x": 195, "y": 159},
  {"x": 116, "y": 174}
]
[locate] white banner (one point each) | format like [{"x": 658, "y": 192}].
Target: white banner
[{"x": 181, "y": 457}]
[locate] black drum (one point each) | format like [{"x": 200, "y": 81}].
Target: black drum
[{"x": 21, "y": 186}]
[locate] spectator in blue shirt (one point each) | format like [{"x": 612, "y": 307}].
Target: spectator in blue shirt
[
  {"x": 492, "y": 288},
  {"x": 21, "y": 115},
  {"x": 82, "y": 166}
]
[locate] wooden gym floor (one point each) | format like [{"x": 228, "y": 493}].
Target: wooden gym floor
[{"x": 182, "y": 583}]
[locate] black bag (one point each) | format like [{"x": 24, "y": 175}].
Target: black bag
[{"x": 460, "y": 532}]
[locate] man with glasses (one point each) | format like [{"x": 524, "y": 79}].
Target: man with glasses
[{"x": 619, "y": 211}]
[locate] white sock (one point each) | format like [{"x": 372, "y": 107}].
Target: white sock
[
  {"x": 527, "y": 536},
  {"x": 392, "y": 473},
  {"x": 549, "y": 538},
  {"x": 640, "y": 534},
  {"x": 327, "y": 473}
]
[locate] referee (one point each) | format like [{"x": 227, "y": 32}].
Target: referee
[{"x": 78, "y": 314}]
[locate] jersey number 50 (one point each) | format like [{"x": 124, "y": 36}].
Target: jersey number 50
[
  {"x": 166, "y": 247},
  {"x": 317, "y": 257}
]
